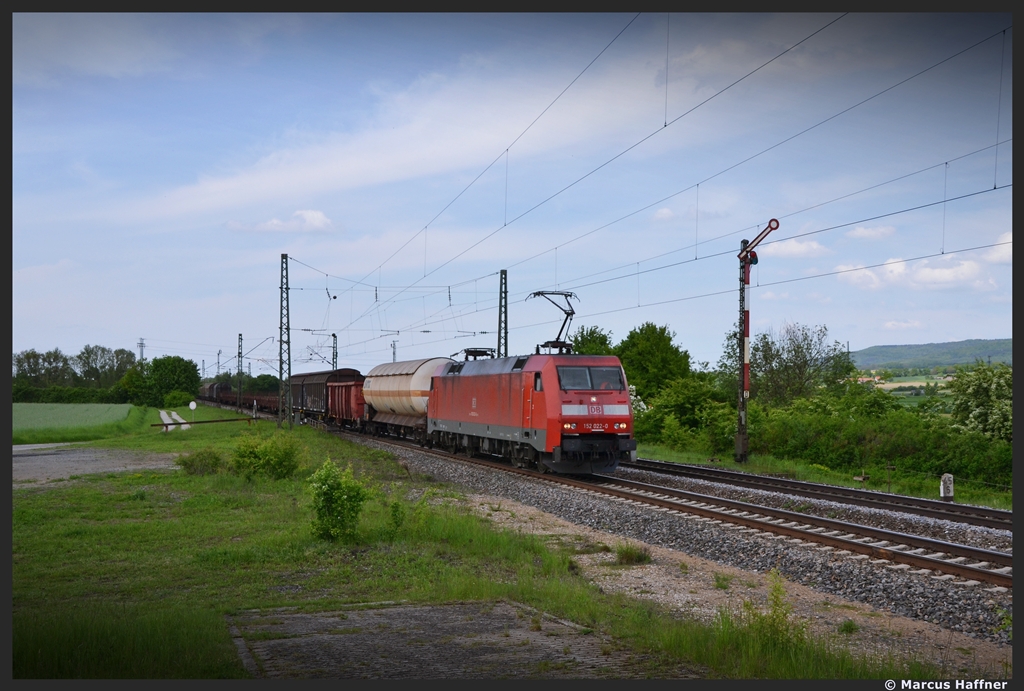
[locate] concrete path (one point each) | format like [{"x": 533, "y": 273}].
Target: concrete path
[
  {"x": 179, "y": 418},
  {"x": 172, "y": 417}
]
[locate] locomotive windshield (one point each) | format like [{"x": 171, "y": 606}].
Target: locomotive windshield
[{"x": 590, "y": 378}]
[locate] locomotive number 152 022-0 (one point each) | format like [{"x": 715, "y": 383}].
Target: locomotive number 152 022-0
[{"x": 595, "y": 425}]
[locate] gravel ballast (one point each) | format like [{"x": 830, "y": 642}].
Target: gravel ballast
[{"x": 977, "y": 611}]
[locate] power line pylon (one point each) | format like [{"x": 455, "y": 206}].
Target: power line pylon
[
  {"x": 239, "y": 371},
  {"x": 503, "y": 315},
  {"x": 284, "y": 368}
]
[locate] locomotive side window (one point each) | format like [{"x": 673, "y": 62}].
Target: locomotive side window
[
  {"x": 607, "y": 378},
  {"x": 570, "y": 378},
  {"x": 537, "y": 383}
]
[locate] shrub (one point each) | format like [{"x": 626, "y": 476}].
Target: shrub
[
  {"x": 245, "y": 460},
  {"x": 276, "y": 457},
  {"x": 177, "y": 399},
  {"x": 207, "y": 461},
  {"x": 337, "y": 501},
  {"x": 279, "y": 456}
]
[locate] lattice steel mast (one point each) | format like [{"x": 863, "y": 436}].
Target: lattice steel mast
[
  {"x": 240, "y": 371},
  {"x": 503, "y": 315},
  {"x": 284, "y": 368}
]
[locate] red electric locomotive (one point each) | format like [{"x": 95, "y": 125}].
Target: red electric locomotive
[{"x": 561, "y": 413}]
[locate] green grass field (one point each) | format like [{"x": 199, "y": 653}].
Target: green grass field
[
  {"x": 45, "y": 423},
  {"x": 31, "y": 416},
  {"x": 129, "y": 574}
]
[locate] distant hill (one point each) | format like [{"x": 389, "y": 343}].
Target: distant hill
[{"x": 935, "y": 354}]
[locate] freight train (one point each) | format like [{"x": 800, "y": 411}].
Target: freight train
[{"x": 556, "y": 413}]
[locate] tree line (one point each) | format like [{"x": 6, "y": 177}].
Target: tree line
[
  {"x": 95, "y": 367},
  {"x": 100, "y": 375},
  {"x": 805, "y": 402}
]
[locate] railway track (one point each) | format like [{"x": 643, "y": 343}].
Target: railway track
[
  {"x": 899, "y": 551},
  {"x": 961, "y": 513}
]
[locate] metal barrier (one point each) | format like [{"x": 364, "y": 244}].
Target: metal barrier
[{"x": 167, "y": 425}]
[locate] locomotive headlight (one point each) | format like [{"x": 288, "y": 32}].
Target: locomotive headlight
[{"x": 568, "y": 425}]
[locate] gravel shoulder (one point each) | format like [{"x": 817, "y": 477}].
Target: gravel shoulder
[
  {"x": 950, "y": 625},
  {"x": 697, "y": 592}
]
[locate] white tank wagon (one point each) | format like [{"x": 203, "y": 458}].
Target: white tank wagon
[{"x": 396, "y": 395}]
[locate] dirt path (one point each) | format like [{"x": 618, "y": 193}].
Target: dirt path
[
  {"x": 38, "y": 464},
  {"x": 697, "y": 591}
]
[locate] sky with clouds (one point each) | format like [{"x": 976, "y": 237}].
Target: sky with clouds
[{"x": 163, "y": 164}]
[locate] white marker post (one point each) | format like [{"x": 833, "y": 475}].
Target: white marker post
[
  {"x": 192, "y": 406},
  {"x": 946, "y": 487}
]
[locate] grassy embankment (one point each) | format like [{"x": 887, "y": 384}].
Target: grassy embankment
[
  {"x": 130, "y": 574},
  {"x": 966, "y": 492}
]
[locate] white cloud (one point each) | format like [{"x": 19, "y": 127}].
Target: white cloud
[
  {"x": 891, "y": 272},
  {"x": 663, "y": 214},
  {"x": 856, "y": 274},
  {"x": 871, "y": 233},
  {"x": 1003, "y": 254},
  {"x": 893, "y": 269},
  {"x": 302, "y": 221},
  {"x": 909, "y": 324},
  {"x": 771, "y": 295},
  {"x": 793, "y": 248},
  {"x": 928, "y": 276},
  {"x": 947, "y": 272}
]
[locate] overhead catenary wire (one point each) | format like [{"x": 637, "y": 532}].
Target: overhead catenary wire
[
  {"x": 728, "y": 252},
  {"x": 727, "y": 291},
  {"x": 504, "y": 152},
  {"x": 720, "y": 172},
  {"x": 411, "y": 287},
  {"x": 617, "y": 156},
  {"x": 637, "y": 272}
]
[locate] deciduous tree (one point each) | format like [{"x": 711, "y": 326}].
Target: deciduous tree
[
  {"x": 172, "y": 373},
  {"x": 592, "y": 340},
  {"x": 795, "y": 363},
  {"x": 983, "y": 399},
  {"x": 651, "y": 359}
]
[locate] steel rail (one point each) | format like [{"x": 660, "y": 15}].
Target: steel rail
[
  {"x": 789, "y": 523},
  {"x": 963, "y": 513},
  {"x": 954, "y": 549}
]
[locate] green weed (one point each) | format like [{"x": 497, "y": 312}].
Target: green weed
[
  {"x": 849, "y": 626},
  {"x": 206, "y": 461},
  {"x": 722, "y": 581},
  {"x": 629, "y": 555},
  {"x": 108, "y": 641}
]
